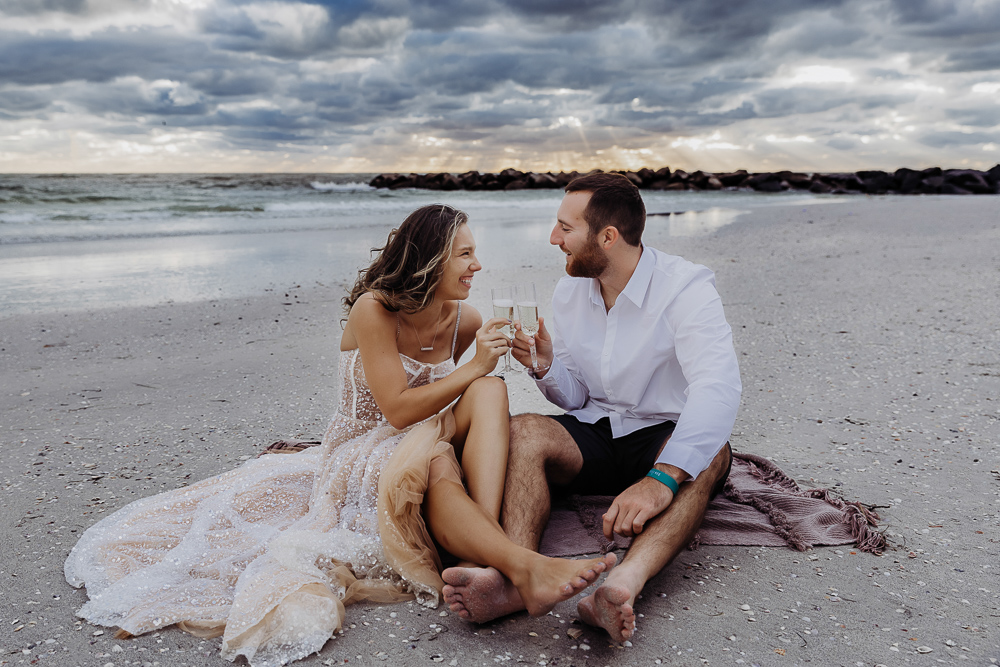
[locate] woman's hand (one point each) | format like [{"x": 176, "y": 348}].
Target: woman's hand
[
  {"x": 521, "y": 349},
  {"x": 490, "y": 345}
]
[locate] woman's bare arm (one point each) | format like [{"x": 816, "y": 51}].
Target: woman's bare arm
[{"x": 374, "y": 329}]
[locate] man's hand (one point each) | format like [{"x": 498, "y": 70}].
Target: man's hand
[
  {"x": 521, "y": 347},
  {"x": 644, "y": 500}
]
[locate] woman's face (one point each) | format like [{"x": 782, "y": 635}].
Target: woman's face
[{"x": 456, "y": 280}]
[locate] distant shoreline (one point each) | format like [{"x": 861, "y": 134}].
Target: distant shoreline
[{"x": 933, "y": 180}]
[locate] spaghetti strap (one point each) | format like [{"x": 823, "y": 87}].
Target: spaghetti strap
[{"x": 454, "y": 338}]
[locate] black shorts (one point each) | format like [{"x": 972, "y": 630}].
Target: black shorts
[{"x": 611, "y": 465}]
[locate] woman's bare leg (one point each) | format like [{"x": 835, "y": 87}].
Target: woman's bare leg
[
  {"x": 481, "y": 439},
  {"x": 467, "y": 530}
]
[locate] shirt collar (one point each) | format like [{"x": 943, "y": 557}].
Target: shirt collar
[{"x": 637, "y": 286}]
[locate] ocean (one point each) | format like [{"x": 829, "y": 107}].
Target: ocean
[{"x": 79, "y": 242}]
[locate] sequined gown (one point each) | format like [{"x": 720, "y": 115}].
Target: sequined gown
[{"x": 268, "y": 554}]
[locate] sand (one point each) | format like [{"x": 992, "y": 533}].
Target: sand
[{"x": 869, "y": 343}]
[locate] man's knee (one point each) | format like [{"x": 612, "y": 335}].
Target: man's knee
[
  {"x": 721, "y": 465},
  {"x": 526, "y": 426},
  {"x": 542, "y": 442},
  {"x": 534, "y": 436}
]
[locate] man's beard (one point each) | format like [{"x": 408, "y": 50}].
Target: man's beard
[{"x": 590, "y": 262}]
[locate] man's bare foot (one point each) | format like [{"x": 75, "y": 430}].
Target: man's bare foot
[
  {"x": 609, "y": 607},
  {"x": 549, "y": 581},
  {"x": 480, "y": 594}
]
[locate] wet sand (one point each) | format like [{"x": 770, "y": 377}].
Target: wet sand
[{"x": 868, "y": 337}]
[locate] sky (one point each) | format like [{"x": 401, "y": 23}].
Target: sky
[{"x": 454, "y": 85}]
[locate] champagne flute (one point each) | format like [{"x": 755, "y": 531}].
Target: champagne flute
[
  {"x": 527, "y": 312},
  {"x": 503, "y": 306}
]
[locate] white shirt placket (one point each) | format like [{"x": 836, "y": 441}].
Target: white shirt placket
[{"x": 611, "y": 332}]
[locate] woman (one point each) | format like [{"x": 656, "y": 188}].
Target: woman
[{"x": 267, "y": 555}]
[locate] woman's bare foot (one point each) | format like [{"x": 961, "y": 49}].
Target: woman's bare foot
[
  {"x": 480, "y": 594},
  {"x": 610, "y": 607}
]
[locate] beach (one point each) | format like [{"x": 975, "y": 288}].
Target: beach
[{"x": 868, "y": 339}]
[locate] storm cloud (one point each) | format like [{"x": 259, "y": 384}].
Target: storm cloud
[{"x": 376, "y": 85}]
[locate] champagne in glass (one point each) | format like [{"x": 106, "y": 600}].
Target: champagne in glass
[
  {"x": 503, "y": 306},
  {"x": 527, "y": 312}
]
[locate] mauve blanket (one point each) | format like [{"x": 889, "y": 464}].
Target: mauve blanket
[{"x": 760, "y": 506}]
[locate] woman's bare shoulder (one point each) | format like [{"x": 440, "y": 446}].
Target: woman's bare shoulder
[
  {"x": 368, "y": 309},
  {"x": 367, "y": 318},
  {"x": 471, "y": 320}
]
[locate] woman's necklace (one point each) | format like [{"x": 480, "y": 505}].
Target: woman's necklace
[{"x": 436, "y": 327}]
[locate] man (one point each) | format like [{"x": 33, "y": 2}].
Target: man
[{"x": 642, "y": 359}]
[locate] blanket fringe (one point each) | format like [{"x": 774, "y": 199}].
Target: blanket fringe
[{"x": 861, "y": 520}]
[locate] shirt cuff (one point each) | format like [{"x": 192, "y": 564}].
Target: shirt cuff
[{"x": 552, "y": 376}]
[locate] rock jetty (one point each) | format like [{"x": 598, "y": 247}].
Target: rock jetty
[{"x": 902, "y": 181}]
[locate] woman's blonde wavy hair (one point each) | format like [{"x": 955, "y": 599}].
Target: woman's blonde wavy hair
[{"x": 407, "y": 270}]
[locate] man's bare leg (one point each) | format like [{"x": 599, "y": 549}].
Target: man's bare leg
[
  {"x": 541, "y": 452},
  {"x": 611, "y": 606}
]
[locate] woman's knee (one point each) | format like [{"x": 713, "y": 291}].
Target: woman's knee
[{"x": 491, "y": 389}]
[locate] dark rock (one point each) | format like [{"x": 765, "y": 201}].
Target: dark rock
[
  {"x": 733, "y": 178},
  {"x": 450, "y": 182},
  {"x": 508, "y": 175},
  {"x": 647, "y": 175},
  {"x": 993, "y": 175},
  {"x": 969, "y": 179},
  {"x": 386, "y": 180},
  {"x": 542, "y": 181},
  {"x": 952, "y": 189},
  {"x": 931, "y": 185},
  {"x": 875, "y": 182},
  {"x": 819, "y": 187},
  {"x": 634, "y": 177},
  {"x": 565, "y": 178},
  {"x": 767, "y": 182},
  {"x": 772, "y": 186},
  {"x": 795, "y": 179},
  {"x": 408, "y": 181},
  {"x": 698, "y": 179},
  {"x": 932, "y": 180},
  {"x": 470, "y": 180},
  {"x": 844, "y": 181},
  {"x": 906, "y": 181}
]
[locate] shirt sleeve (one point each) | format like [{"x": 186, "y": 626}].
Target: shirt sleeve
[
  {"x": 562, "y": 385},
  {"x": 704, "y": 348}
]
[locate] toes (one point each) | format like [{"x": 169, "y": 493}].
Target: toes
[{"x": 456, "y": 576}]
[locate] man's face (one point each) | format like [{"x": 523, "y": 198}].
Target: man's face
[{"x": 584, "y": 256}]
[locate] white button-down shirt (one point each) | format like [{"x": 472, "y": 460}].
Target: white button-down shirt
[{"x": 663, "y": 352}]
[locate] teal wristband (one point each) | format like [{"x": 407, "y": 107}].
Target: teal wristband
[{"x": 664, "y": 478}]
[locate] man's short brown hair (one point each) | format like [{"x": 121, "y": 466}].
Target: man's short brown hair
[{"x": 614, "y": 202}]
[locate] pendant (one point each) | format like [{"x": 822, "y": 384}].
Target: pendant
[{"x": 427, "y": 349}]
